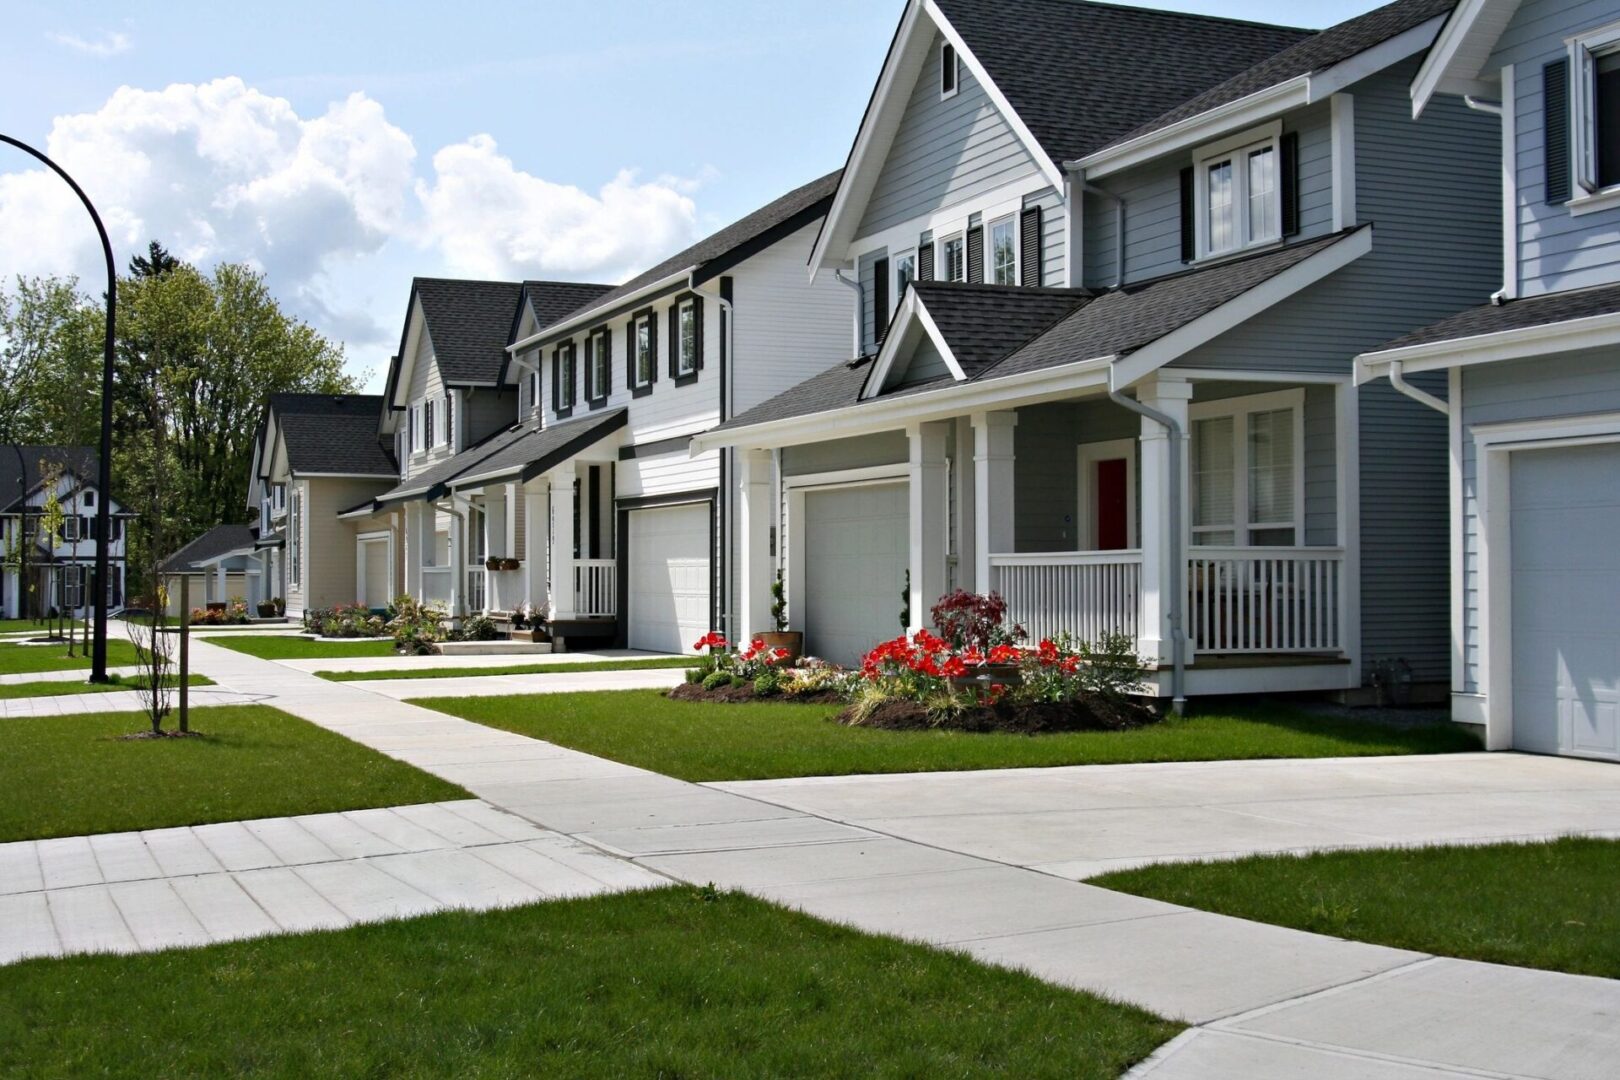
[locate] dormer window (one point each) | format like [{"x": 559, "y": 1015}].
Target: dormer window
[
  {"x": 949, "y": 71},
  {"x": 1238, "y": 194}
]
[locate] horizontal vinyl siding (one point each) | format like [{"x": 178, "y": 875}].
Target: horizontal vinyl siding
[
  {"x": 1046, "y": 484},
  {"x": 926, "y": 362},
  {"x": 1537, "y": 389},
  {"x": 1557, "y": 250},
  {"x": 785, "y": 329},
  {"x": 944, "y": 151},
  {"x": 868, "y": 298},
  {"x": 860, "y": 452},
  {"x": 667, "y": 474},
  {"x": 1054, "y": 237},
  {"x": 426, "y": 385},
  {"x": 486, "y": 411},
  {"x": 329, "y": 560}
]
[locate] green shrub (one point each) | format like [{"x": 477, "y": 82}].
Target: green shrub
[
  {"x": 714, "y": 680},
  {"x": 416, "y": 627},
  {"x": 767, "y": 684}
]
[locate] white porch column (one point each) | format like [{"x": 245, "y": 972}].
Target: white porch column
[
  {"x": 929, "y": 524},
  {"x": 1169, "y": 396},
  {"x": 458, "y": 548},
  {"x": 536, "y": 542},
  {"x": 992, "y": 492},
  {"x": 754, "y": 564},
  {"x": 222, "y": 584},
  {"x": 962, "y": 477},
  {"x": 562, "y": 542}
]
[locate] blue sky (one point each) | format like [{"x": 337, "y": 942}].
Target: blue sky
[{"x": 344, "y": 147}]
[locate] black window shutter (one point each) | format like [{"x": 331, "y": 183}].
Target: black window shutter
[
  {"x": 1555, "y": 125},
  {"x": 1029, "y": 246},
  {"x": 674, "y": 339},
  {"x": 630, "y": 354},
  {"x": 652, "y": 346},
  {"x": 1288, "y": 167},
  {"x": 880, "y": 300},
  {"x": 1189, "y": 218},
  {"x": 697, "y": 332},
  {"x": 975, "y": 255},
  {"x": 556, "y": 378},
  {"x": 605, "y": 343},
  {"x": 925, "y": 261}
]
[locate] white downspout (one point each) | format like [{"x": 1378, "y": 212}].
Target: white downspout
[
  {"x": 1178, "y": 553},
  {"x": 1397, "y": 379},
  {"x": 860, "y": 312},
  {"x": 1498, "y": 109},
  {"x": 1089, "y": 188}
]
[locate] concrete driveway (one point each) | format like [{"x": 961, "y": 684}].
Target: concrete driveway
[{"x": 1081, "y": 821}]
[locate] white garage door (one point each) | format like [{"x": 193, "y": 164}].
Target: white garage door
[
  {"x": 855, "y": 569},
  {"x": 377, "y": 579},
  {"x": 1566, "y": 600},
  {"x": 669, "y": 578}
]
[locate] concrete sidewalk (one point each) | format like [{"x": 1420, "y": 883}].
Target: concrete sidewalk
[
  {"x": 470, "y": 663},
  {"x": 1268, "y": 1001},
  {"x": 555, "y": 683}
]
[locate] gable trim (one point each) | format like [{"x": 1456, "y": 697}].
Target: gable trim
[
  {"x": 1435, "y": 75},
  {"x": 911, "y": 310}
]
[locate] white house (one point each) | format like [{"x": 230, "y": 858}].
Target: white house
[{"x": 60, "y": 567}]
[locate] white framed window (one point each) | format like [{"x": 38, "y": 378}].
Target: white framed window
[
  {"x": 646, "y": 363},
  {"x": 950, "y": 71},
  {"x": 953, "y": 256},
  {"x": 1594, "y": 64},
  {"x": 70, "y": 529},
  {"x": 904, "y": 268},
  {"x": 1248, "y": 482},
  {"x": 1001, "y": 260},
  {"x": 598, "y": 374},
  {"x": 418, "y": 431},
  {"x": 686, "y": 325},
  {"x": 72, "y": 587},
  {"x": 428, "y": 440},
  {"x": 295, "y": 546},
  {"x": 564, "y": 359},
  {"x": 449, "y": 421},
  {"x": 1238, "y": 192},
  {"x": 534, "y": 386}
]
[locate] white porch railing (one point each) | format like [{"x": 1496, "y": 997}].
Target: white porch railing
[
  {"x": 477, "y": 584},
  {"x": 1264, "y": 600},
  {"x": 1084, "y": 593},
  {"x": 436, "y": 583},
  {"x": 596, "y": 586}
]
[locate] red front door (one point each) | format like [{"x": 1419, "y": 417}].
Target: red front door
[{"x": 1113, "y": 505}]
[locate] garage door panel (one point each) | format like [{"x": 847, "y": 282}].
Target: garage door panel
[
  {"x": 669, "y": 566},
  {"x": 855, "y": 542},
  {"x": 1565, "y": 649}
]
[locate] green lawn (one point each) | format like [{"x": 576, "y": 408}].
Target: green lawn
[
  {"x": 71, "y": 775},
  {"x": 702, "y": 742},
  {"x": 64, "y": 689},
  {"x": 18, "y": 659},
  {"x": 513, "y": 669},
  {"x": 29, "y": 626},
  {"x": 1550, "y": 905},
  {"x": 675, "y": 982},
  {"x": 290, "y": 647}
]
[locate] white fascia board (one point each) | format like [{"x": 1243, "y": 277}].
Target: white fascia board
[
  {"x": 911, "y": 310},
  {"x": 1048, "y": 384},
  {"x": 380, "y": 477},
  {"x": 1573, "y": 335},
  {"x": 414, "y": 329},
  {"x": 575, "y": 323},
  {"x": 1150, "y": 358},
  {"x": 1196, "y": 130},
  {"x": 1440, "y": 71},
  {"x": 1053, "y": 172},
  {"x": 878, "y": 125},
  {"x": 1330, "y": 81},
  {"x": 358, "y": 512}
]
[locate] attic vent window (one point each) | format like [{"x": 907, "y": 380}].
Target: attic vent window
[{"x": 948, "y": 71}]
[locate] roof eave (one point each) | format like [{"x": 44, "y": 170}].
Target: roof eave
[
  {"x": 573, "y": 324},
  {"x": 1569, "y": 335},
  {"x": 1438, "y": 73}
]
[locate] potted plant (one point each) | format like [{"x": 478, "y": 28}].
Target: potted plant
[
  {"x": 510, "y": 563},
  {"x": 267, "y": 609},
  {"x": 493, "y": 562},
  {"x": 781, "y": 637},
  {"x": 975, "y": 624}
]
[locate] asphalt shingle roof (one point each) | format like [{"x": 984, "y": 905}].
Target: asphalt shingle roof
[
  {"x": 81, "y": 461},
  {"x": 1315, "y": 53},
  {"x": 216, "y": 541},
  {"x": 801, "y": 200},
  {"x": 536, "y": 450},
  {"x": 1115, "y": 323},
  {"x": 551, "y": 300},
  {"x": 1521, "y": 314},
  {"x": 333, "y": 433},
  {"x": 1081, "y": 74},
  {"x": 983, "y": 323},
  {"x": 470, "y": 324}
]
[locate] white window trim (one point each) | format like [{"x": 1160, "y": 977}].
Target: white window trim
[
  {"x": 1239, "y": 409},
  {"x": 942, "y": 260},
  {"x": 1237, "y": 148},
  {"x": 637, "y": 382},
  {"x": 596, "y": 356},
  {"x": 1089, "y": 455},
  {"x": 1011, "y": 221},
  {"x": 685, "y": 365},
  {"x": 1584, "y": 49},
  {"x": 569, "y": 354},
  {"x": 896, "y": 289},
  {"x": 948, "y": 49},
  {"x": 295, "y": 549}
]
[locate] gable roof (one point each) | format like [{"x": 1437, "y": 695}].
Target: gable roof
[
  {"x": 551, "y": 300},
  {"x": 1081, "y": 74},
  {"x": 719, "y": 251},
  {"x": 333, "y": 433},
  {"x": 1456, "y": 62},
  {"x": 1112, "y": 326},
  {"x": 81, "y": 461},
  {"x": 539, "y": 449},
  {"x": 983, "y": 323},
  {"x": 220, "y": 540},
  {"x": 469, "y": 323},
  {"x": 1314, "y": 53}
]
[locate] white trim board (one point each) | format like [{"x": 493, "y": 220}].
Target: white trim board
[
  {"x": 1475, "y": 25},
  {"x": 1085, "y": 520},
  {"x": 1570, "y": 335}
]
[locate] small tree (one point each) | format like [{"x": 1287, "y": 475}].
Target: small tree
[{"x": 779, "y": 604}]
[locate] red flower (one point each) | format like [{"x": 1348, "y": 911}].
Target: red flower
[
  {"x": 712, "y": 640},
  {"x": 1004, "y": 654}
]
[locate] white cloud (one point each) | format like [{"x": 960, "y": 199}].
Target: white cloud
[
  {"x": 108, "y": 44},
  {"x": 331, "y": 207},
  {"x": 491, "y": 219}
]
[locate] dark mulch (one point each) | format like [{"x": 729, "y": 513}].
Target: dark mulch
[
  {"x": 1087, "y": 714},
  {"x": 737, "y": 695}
]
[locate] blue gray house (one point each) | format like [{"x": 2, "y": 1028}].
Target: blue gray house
[
  {"x": 1106, "y": 301},
  {"x": 1532, "y": 377}
]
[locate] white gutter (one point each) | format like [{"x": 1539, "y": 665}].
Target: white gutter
[{"x": 1397, "y": 379}]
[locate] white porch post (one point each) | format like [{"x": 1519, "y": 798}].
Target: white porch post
[
  {"x": 1169, "y": 396},
  {"x": 930, "y": 529},
  {"x": 413, "y": 550},
  {"x": 962, "y": 478},
  {"x": 562, "y": 542},
  {"x": 992, "y": 491},
  {"x": 754, "y": 515},
  {"x": 221, "y": 582},
  {"x": 536, "y": 541},
  {"x": 458, "y": 571}
]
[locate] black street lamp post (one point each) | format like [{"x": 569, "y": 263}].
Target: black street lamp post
[{"x": 98, "y": 648}]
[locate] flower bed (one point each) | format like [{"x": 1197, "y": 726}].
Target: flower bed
[{"x": 756, "y": 673}]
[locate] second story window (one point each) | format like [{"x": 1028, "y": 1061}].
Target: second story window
[
  {"x": 953, "y": 252},
  {"x": 1003, "y": 252},
  {"x": 1238, "y": 197},
  {"x": 687, "y": 329},
  {"x": 643, "y": 358},
  {"x": 905, "y": 272},
  {"x": 598, "y": 366},
  {"x": 428, "y": 442},
  {"x": 1594, "y": 64},
  {"x": 949, "y": 71},
  {"x": 563, "y": 379},
  {"x": 449, "y": 421}
]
